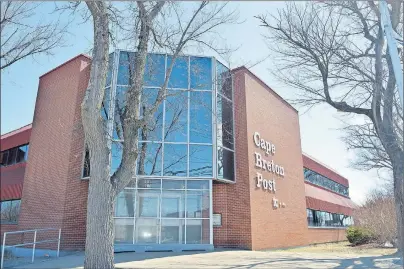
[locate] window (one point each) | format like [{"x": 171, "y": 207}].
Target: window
[
  {"x": 14, "y": 155},
  {"x": 200, "y": 117},
  {"x": 86, "y": 165},
  {"x": 317, "y": 218},
  {"x": 179, "y": 73},
  {"x": 201, "y": 73},
  {"x": 225, "y": 164},
  {"x": 322, "y": 181},
  {"x": 10, "y": 211},
  {"x": 176, "y": 117},
  {"x": 200, "y": 161}
]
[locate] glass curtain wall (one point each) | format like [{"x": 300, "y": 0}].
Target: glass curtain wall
[{"x": 188, "y": 142}]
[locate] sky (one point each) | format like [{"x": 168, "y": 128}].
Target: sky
[{"x": 319, "y": 127}]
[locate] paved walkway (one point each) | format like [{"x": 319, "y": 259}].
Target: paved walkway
[{"x": 229, "y": 260}]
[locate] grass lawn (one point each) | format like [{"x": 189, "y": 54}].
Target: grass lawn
[{"x": 344, "y": 247}]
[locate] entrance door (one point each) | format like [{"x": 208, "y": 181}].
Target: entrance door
[{"x": 147, "y": 218}]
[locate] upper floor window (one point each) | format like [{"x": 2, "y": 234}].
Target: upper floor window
[
  {"x": 10, "y": 210},
  {"x": 322, "y": 181},
  {"x": 14, "y": 155}
]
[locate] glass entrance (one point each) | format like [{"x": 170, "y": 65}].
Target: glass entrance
[{"x": 156, "y": 211}]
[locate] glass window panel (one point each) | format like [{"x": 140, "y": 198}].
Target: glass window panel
[
  {"x": 175, "y": 160},
  {"x": 201, "y": 73},
  {"x": 110, "y": 66},
  {"x": 172, "y": 231},
  {"x": 5, "y": 211},
  {"x": 149, "y": 159},
  {"x": 173, "y": 204},
  {"x": 124, "y": 230},
  {"x": 21, "y": 152},
  {"x": 154, "y": 74},
  {"x": 106, "y": 104},
  {"x": 147, "y": 230},
  {"x": 126, "y": 67},
  {"x": 148, "y": 203},
  {"x": 86, "y": 164},
  {"x": 154, "y": 129},
  {"x": 125, "y": 203},
  {"x": 198, "y": 184},
  {"x": 4, "y": 157},
  {"x": 224, "y": 122},
  {"x": 176, "y": 117},
  {"x": 198, "y": 231},
  {"x": 12, "y": 155},
  {"x": 200, "y": 117},
  {"x": 200, "y": 161},
  {"x": 173, "y": 184},
  {"x": 116, "y": 156},
  {"x": 149, "y": 183},
  {"x": 225, "y": 164},
  {"x": 198, "y": 204},
  {"x": 179, "y": 74},
  {"x": 15, "y": 210},
  {"x": 224, "y": 80},
  {"x": 120, "y": 106}
]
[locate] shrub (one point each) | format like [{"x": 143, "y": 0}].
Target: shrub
[{"x": 358, "y": 235}]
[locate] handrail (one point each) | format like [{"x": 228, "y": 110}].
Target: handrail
[{"x": 30, "y": 243}]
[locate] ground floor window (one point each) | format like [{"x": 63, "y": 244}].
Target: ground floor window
[
  {"x": 318, "y": 218},
  {"x": 10, "y": 210},
  {"x": 164, "y": 211}
]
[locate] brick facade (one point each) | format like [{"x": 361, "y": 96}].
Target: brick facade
[{"x": 55, "y": 196}]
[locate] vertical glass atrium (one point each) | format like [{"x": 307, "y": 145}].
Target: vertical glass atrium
[{"x": 189, "y": 143}]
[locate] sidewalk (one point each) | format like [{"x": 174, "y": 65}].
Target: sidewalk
[{"x": 230, "y": 259}]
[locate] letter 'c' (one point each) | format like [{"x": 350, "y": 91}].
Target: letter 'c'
[{"x": 257, "y": 139}]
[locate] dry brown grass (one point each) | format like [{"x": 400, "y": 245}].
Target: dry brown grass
[{"x": 345, "y": 248}]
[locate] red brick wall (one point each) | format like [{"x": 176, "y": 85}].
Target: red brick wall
[
  {"x": 277, "y": 122},
  {"x": 233, "y": 200},
  {"x": 53, "y": 193},
  {"x": 321, "y": 235}
]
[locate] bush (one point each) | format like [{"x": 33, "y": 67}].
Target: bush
[{"x": 358, "y": 235}]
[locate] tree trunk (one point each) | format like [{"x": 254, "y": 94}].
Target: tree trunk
[
  {"x": 100, "y": 224},
  {"x": 399, "y": 200}
]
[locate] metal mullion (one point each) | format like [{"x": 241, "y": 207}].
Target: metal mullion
[
  {"x": 134, "y": 215},
  {"x": 111, "y": 113},
  {"x": 189, "y": 112},
  {"x": 186, "y": 182},
  {"x": 210, "y": 212},
  {"x": 214, "y": 122},
  {"x": 160, "y": 206}
]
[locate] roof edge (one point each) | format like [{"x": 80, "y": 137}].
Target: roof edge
[
  {"x": 324, "y": 165},
  {"x": 243, "y": 67},
  {"x": 16, "y": 131},
  {"x": 68, "y": 61}
]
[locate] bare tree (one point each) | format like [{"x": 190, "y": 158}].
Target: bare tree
[
  {"x": 378, "y": 215},
  {"x": 149, "y": 30},
  {"x": 20, "y": 39},
  {"x": 335, "y": 53}
]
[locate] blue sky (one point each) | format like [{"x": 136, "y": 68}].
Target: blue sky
[{"x": 318, "y": 127}]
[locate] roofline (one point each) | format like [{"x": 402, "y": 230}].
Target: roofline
[
  {"x": 68, "y": 61},
  {"x": 17, "y": 131},
  {"x": 243, "y": 67},
  {"x": 323, "y": 164}
]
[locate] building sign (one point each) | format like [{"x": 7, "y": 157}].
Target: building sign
[
  {"x": 263, "y": 162},
  {"x": 217, "y": 220}
]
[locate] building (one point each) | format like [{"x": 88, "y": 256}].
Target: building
[{"x": 223, "y": 164}]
